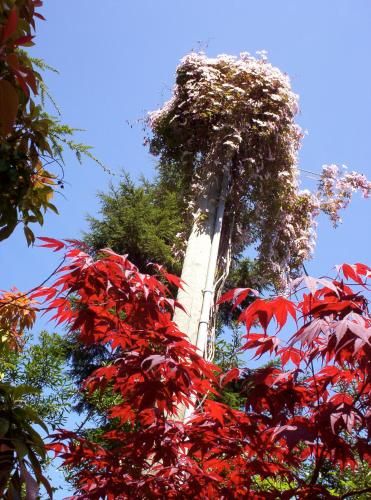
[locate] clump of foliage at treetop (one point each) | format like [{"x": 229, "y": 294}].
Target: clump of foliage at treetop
[
  {"x": 238, "y": 114},
  {"x": 312, "y": 409},
  {"x": 30, "y": 139}
]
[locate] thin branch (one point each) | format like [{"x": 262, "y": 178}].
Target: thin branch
[
  {"x": 309, "y": 172},
  {"x": 83, "y": 423},
  {"x": 36, "y": 287}
]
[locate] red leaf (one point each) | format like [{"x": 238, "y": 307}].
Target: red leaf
[
  {"x": 153, "y": 361},
  {"x": 216, "y": 411},
  {"x": 351, "y": 272},
  {"x": 282, "y": 307},
  {"x": 52, "y": 243},
  {"x": 258, "y": 310},
  {"x": 290, "y": 354},
  {"x": 9, "y": 107},
  {"x": 47, "y": 292},
  {"x": 237, "y": 295},
  {"x": 39, "y": 16},
  {"x": 11, "y": 25},
  {"x": 30, "y": 79},
  {"x": 171, "y": 278},
  {"x": 22, "y": 83},
  {"x": 362, "y": 269},
  {"x": 312, "y": 283},
  {"x": 24, "y": 40},
  {"x": 229, "y": 376},
  {"x": 361, "y": 331},
  {"x": 309, "y": 332}
]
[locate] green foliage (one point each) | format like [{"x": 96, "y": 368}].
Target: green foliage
[
  {"x": 41, "y": 365},
  {"x": 32, "y": 142},
  {"x": 35, "y": 390},
  {"x": 26, "y": 186},
  {"x": 339, "y": 483},
  {"x": 228, "y": 356},
  {"x": 22, "y": 450},
  {"x": 142, "y": 221}
]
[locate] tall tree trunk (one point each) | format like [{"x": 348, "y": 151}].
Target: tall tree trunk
[
  {"x": 200, "y": 266},
  {"x": 200, "y": 262}
]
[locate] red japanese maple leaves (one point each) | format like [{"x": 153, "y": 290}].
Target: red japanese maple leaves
[{"x": 312, "y": 405}]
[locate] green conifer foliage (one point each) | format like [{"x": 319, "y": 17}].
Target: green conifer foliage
[{"x": 141, "y": 220}]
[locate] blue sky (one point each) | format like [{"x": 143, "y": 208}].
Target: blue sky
[{"x": 117, "y": 61}]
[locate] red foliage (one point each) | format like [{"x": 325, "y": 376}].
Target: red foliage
[
  {"x": 319, "y": 409},
  {"x": 14, "y": 33}
]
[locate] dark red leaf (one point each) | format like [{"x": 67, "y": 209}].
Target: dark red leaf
[
  {"x": 24, "y": 40},
  {"x": 39, "y": 16},
  {"x": 11, "y": 24}
]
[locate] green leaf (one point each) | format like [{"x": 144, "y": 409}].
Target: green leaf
[
  {"x": 4, "y": 426},
  {"x": 20, "y": 447},
  {"x": 30, "y": 237},
  {"x": 53, "y": 208}
]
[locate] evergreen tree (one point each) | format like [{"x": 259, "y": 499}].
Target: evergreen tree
[{"x": 141, "y": 220}]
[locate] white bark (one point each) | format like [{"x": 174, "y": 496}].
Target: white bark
[
  {"x": 199, "y": 270},
  {"x": 196, "y": 263},
  {"x": 200, "y": 262},
  {"x": 208, "y": 292}
]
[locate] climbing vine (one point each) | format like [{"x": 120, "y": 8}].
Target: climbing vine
[{"x": 238, "y": 114}]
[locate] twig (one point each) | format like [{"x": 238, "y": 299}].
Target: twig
[{"x": 36, "y": 287}]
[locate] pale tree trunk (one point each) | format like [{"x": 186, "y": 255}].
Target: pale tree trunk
[
  {"x": 200, "y": 266},
  {"x": 195, "y": 265}
]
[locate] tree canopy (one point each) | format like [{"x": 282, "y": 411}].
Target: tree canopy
[{"x": 312, "y": 408}]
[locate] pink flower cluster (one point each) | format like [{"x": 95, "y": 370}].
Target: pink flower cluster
[{"x": 336, "y": 188}]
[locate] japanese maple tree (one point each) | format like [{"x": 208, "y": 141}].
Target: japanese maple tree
[{"x": 312, "y": 407}]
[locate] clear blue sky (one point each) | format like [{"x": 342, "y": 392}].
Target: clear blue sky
[{"x": 117, "y": 61}]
